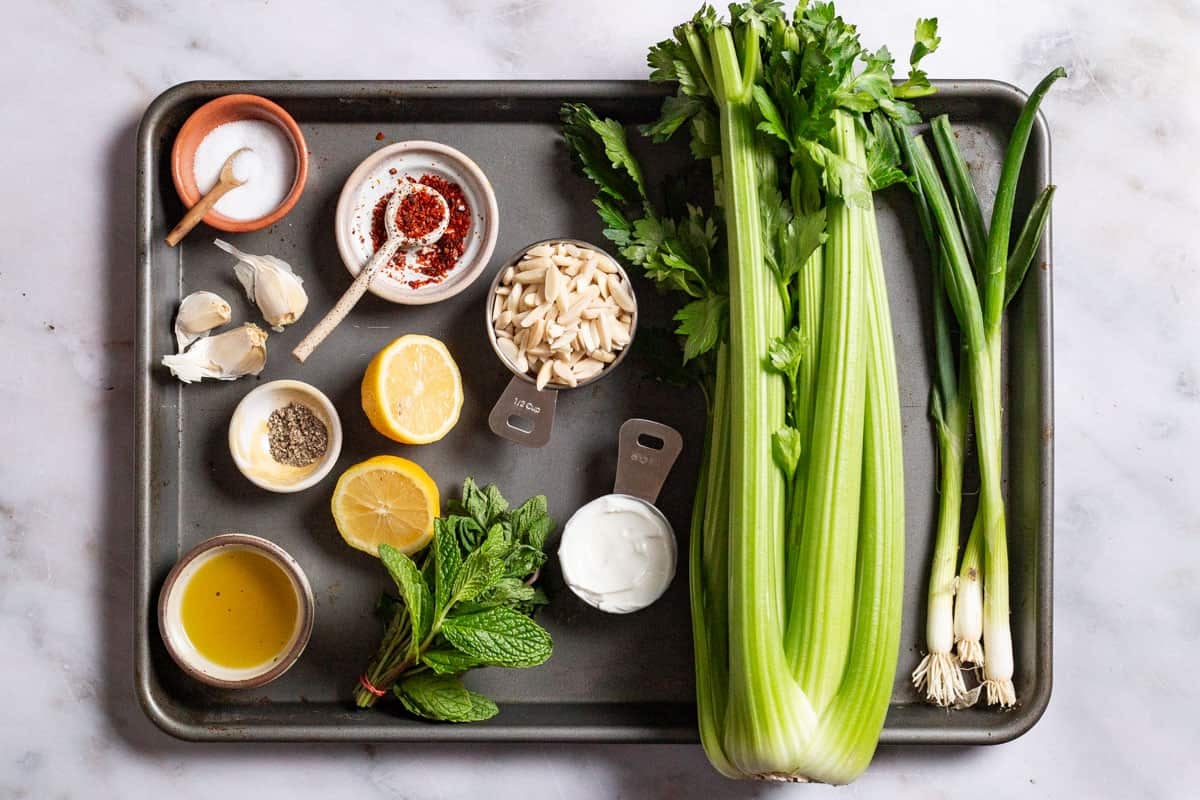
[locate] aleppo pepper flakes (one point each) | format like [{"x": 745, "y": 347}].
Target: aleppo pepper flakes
[
  {"x": 418, "y": 214},
  {"x": 440, "y": 257},
  {"x": 434, "y": 262}
]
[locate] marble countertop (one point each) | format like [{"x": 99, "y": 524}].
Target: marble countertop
[{"x": 76, "y": 77}]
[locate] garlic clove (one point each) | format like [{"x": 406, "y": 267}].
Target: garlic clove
[
  {"x": 226, "y": 356},
  {"x": 199, "y": 313},
  {"x": 270, "y": 284}
]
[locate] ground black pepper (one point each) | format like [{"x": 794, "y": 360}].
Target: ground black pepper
[{"x": 296, "y": 435}]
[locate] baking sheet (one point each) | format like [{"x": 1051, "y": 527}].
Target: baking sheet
[{"x": 615, "y": 679}]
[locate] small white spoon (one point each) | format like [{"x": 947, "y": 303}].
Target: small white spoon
[{"x": 396, "y": 240}]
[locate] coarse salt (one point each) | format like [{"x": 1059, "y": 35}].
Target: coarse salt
[{"x": 267, "y": 183}]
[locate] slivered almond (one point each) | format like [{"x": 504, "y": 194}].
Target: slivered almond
[
  {"x": 586, "y": 368},
  {"x": 576, "y": 308},
  {"x": 588, "y": 338},
  {"x": 536, "y": 333},
  {"x": 565, "y": 372},
  {"x": 621, "y": 296},
  {"x": 533, "y": 315},
  {"x": 507, "y": 277},
  {"x": 541, "y": 250},
  {"x": 497, "y": 307},
  {"x": 543, "y": 376},
  {"x": 530, "y": 276},
  {"x": 603, "y": 355},
  {"x": 603, "y": 331},
  {"x": 508, "y": 349},
  {"x": 514, "y": 299},
  {"x": 531, "y": 299},
  {"x": 505, "y": 319},
  {"x": 502, "y": 291},
  {"x": 554, "y": 283},
  {"x": 605, "y": 264}
]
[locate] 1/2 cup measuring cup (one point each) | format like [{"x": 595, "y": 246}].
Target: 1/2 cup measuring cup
[
  {"x": 618, "y": 552},
  {"x": 525, "y": 413}
]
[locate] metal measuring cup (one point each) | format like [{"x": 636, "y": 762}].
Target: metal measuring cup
[
  {"x": 524, "y": 414},
  {"x": 646, "y": 451}
]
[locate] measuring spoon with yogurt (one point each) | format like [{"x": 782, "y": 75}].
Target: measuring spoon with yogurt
[
  {"x": 397, "y": 239},
  {"x": 618, "y": 552}
]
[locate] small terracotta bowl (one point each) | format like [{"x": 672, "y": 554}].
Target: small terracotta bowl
[
  {"x": 185, "y": 654},
  {"x": 231, "y": 108}
]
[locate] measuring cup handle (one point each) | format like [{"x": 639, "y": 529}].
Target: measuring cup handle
[
  {"x": 523, "y": 414},
  {"x": 642, "y": 466}
]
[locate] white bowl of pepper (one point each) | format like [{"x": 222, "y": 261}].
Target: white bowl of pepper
[{"x": 285, "y": 436}]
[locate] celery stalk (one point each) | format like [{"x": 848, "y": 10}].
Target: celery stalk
[{"x": 820, "y": 620}]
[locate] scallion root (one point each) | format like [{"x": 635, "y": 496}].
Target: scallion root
[
  {"x": 939, "y": 675},
  {"x": 1000, "y": 693}
]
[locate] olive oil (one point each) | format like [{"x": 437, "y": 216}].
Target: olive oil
[{"x": 239, "y": 609}]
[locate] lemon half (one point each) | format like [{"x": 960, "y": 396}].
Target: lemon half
[
  {"x": 386, "y": 500},
  {"x": 412, "y": 390}
]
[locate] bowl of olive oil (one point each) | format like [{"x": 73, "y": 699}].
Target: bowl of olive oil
[{"x": 236, "y": 611}]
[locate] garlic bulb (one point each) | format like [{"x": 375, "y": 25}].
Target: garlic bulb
[
  {"x": 270, "y": 284},
  {"x": 199, "y": 313},
  {"x": 226, "y": 356}
]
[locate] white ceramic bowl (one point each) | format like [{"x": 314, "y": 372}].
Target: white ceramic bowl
[
  {"x": 376, "y": 177},
  {"x": 180, "y": 647},
  {"x": 248, "y": 443}
]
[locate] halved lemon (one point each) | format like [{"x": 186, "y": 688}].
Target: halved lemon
[
  {"x": 386, "y": 500},
  {"x": 412, "y": 390}
]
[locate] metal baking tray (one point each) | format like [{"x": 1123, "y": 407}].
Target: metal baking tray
[{"x": 612, "y": 678}]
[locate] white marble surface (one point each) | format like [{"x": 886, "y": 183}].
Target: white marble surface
[{"x": 75, "y": 78}]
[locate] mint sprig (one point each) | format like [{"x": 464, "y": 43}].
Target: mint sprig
[{"x": 465, "y": 602}]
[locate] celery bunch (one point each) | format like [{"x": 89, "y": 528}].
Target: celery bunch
[{"x": 797, "y": 537}]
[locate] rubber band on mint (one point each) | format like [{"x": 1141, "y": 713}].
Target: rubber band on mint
[{"x": 370, "y": 687}]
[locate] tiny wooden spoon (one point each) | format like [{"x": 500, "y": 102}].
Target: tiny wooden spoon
[{"x": 225, "y": 181}]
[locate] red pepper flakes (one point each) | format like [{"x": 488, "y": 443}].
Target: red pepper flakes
[
  {"x": 435, "y": 261},
  {"x": 440, "y": 257},
  {"x": 419, "y": 214}
]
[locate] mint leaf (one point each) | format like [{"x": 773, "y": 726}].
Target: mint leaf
[
  {"x": 531, "y": 522},
  {"x": 443, "y": 698},
  {"x": 474, "y": 503},
  {"x": 509, "y": 591},
  {"x": 477, "y": 575},
  {"x": 494, "y": 505},
  {"x": 448, "y": 661},
  {"x": 500, "y": 637},
  {"x": 413, "y": 590},
  {"x": 447, "y": 564}
]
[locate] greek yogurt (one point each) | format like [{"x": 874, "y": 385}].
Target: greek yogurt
[{"x": 618, "y": 554}]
